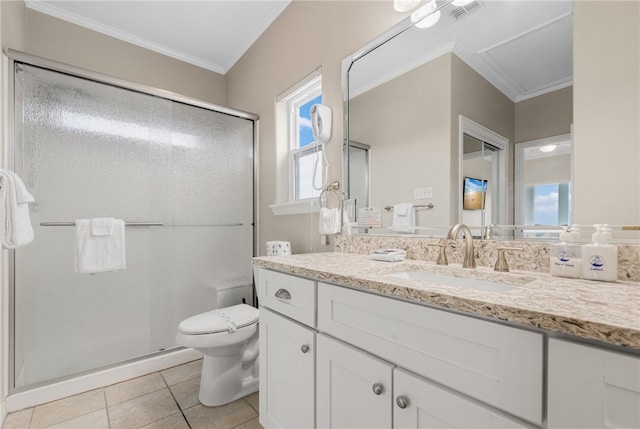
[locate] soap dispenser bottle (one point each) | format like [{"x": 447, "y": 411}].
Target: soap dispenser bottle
[
  {"x": 565, "y": 255},
  {"x": 600, "y": 259}
]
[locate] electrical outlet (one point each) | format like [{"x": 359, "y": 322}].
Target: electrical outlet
[{"x": 422, "y": 193}]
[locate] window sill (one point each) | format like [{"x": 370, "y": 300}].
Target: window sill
[{"x": 310, "y": 205}]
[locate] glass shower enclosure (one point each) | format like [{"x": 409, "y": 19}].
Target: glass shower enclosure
[{"x": 181, "y": 175}]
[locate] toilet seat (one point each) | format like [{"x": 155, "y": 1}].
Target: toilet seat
[
  {"x": 227, "y": 319},
  {"x": 228, "y": 339}
]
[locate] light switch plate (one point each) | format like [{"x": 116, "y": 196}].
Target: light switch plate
[{"x": 422, "y": 193}]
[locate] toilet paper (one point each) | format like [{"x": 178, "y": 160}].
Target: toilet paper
[{"x": 278, "y": 248}]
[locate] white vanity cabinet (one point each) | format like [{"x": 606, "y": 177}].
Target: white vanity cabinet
[
  {"x": 590, "y": 387},
  {"x": 358, "y": 390},
  {"x": 335, "y": 357},
  {"x": 287, "y": 350},
  {"x": 495, "y": 364}
]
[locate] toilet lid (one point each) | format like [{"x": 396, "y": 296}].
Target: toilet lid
[{"x": 220, "y": 320}]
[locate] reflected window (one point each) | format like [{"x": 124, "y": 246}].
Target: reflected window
[{"x": 547, "y": 204}]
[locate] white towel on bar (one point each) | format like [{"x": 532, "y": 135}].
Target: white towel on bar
[
  {"x": 15, "y": 223},
  {"x": 403, "y": 218},
  {"x": 99, "y": 245},
  {"x": 329, "y": 221}
]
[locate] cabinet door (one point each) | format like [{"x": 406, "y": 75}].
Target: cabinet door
[
  {"x": 354, "y": 387},
  {"x": 496, "y": 364},
  {"x": 287, "y": 373},
  {"x": 421, "y": 404},
  {"x": 592, "y": 388}
]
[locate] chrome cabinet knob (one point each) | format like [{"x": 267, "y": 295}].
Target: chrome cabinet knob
[
  {"x": 304, "y": 348},
  {"x": 402, "y": 401},
  {"x": 378, "y": 388}
]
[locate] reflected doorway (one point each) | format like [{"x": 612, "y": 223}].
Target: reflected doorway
[
  {"x": 483, "y": 177},
  {"x": 544, "y": 182},
  {"x": 356, "y": 156}
]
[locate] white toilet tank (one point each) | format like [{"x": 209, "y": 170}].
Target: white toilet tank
[{"x": 232, "y": 295}]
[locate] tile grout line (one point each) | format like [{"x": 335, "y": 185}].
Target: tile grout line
[
  {"x": 175, "y": 400},
  {"x": 250, "y": 406},
  {"x": 106, "y": 407},
  {"x": 33, "y": 411}
]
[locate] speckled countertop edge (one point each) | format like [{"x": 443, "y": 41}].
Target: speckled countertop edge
[{"x": 601, "y": 311}]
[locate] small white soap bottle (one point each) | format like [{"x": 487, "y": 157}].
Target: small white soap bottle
[
  {"x": 565, "y": 256},
  {"x": 600, "y": 259}
]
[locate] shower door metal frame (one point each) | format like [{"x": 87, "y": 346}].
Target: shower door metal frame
[{"x": 10, "y": 59}]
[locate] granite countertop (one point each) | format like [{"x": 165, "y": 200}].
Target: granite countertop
[{"x": 603, "y": 311}]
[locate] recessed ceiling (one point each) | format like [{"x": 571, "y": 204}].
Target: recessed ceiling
[{"x": 212, "y": 34}]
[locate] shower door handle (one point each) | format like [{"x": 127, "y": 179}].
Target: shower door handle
[{"x": 283, "y": 294}]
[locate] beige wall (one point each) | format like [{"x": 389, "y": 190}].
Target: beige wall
[
  {"x": 406, "y": 123},
  {"x": 606, "y": 61},
  {"x": 552, "y": 169},
  {"x": 547, "y": 115},
  {"x": 307, "y": 35},
  {"x": 478, "y": 100}
]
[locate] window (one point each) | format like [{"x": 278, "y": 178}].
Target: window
[
  {"x": 300, "y": 166},
  {"x": 304, "y": 153}
]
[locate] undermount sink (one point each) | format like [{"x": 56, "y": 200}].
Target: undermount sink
[{"x": 465, "y": 282}]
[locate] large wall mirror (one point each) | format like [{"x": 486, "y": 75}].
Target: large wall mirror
[{"x": 448, "y": 117}]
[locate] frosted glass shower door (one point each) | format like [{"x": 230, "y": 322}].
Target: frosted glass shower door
[{"x": 88, "y": 149}]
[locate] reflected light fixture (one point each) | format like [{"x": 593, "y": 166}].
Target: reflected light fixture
[
  {"x": 461, "y": 2},
  {"x": 425, "y": 17},
  {"x": 405, "y": 5},
  {"x": 548, "y": 148}
]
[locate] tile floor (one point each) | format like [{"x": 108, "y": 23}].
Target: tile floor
[{"x": 162, "y": 400}]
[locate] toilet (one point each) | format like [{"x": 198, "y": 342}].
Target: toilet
[{"x": 228, "y": 338}]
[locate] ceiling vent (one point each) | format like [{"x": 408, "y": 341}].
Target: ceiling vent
[{"x": 459, "y": 12}]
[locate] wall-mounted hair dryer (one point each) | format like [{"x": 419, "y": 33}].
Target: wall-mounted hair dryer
[{"x": 321, "y": 122}]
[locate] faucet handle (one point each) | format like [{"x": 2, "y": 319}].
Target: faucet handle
[
  {"x": 501, "y": 262},
  {"x": 442, "y": 256}
]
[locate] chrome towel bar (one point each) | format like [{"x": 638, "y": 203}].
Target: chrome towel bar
[
  {"x": 125, "y": 224},
  {"x": 138, "y": 224},
  {"x": 428, "y": 206}
]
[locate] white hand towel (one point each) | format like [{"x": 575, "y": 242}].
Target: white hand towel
[
  {"x": 101, "y": 226},
  {"x": 329, "y": 222},
  {"x": 99, "y": 245},
  {"x": 403, "y": 218},
  {"x": 15, "y": 223}
]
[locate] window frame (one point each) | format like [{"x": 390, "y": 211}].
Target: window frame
[{"x": 298, "y": 96}]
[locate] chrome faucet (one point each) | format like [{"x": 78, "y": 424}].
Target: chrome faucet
[{"x": 469, "y": 254}]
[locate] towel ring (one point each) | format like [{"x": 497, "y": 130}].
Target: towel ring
[{"x": 332, "y": 189}]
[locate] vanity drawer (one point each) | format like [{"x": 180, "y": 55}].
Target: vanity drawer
[
  {"x": 497, "y": 364},
  {"x": 292, "y": 296}
]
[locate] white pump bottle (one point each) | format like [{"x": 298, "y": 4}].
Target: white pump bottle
[
  {"x": 600, "y": 259},
  {"x": 565, "y": 256}
]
